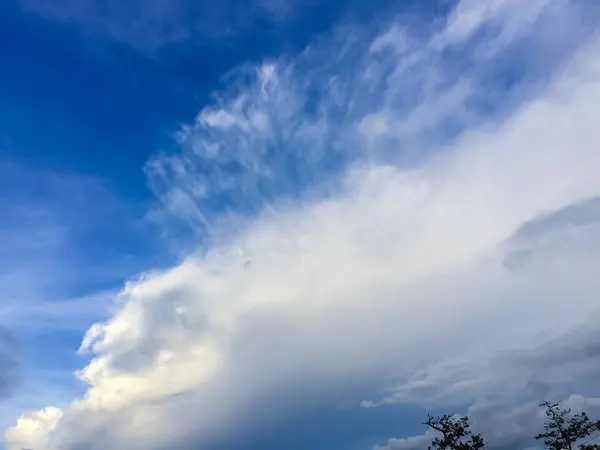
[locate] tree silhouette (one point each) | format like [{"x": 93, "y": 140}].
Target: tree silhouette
[
  {"x": 455, "y": 434},
  {"x": 562, "y": 431},
  {"x": 566, "y": 431}
]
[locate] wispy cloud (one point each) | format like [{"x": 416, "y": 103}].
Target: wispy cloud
[
  {"x": 9, "y": 363},
  {"x": 51, "y": 223},
  {"x": 390, "y": 93},
  {"x": 361, "y": 200},
  {"x": 150, "y": 26}
]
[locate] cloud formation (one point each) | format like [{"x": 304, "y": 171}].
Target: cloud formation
[{"x": 357, "y": 206}]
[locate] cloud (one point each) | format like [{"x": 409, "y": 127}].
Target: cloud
[
  {"x": 37, "y": 425},
  {"x": 150, "y": 26},
  {"x": 137, "y": 22},
  {"x": 543, "y": 237},
  {"x": 376, "y": 185},
  {"x": 51, "y": 223},
  {"x": 55, "y": 280},
  {"x": 549, "y": 367},
  {"x": 411, "y": 443},
  {"x": 9, "y": 364},
  {"x": 358, "y": 96},
  {"x": 503, "y": 425}
]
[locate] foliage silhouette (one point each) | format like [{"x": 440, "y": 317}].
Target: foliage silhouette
[
  {"x": 456, "y": 434},
  {"x": 563, "y": 430}
]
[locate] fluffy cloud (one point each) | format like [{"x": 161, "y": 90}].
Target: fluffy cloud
[
  {"x": 385, "y": 183},
  {"x": 35, "y": 426}
]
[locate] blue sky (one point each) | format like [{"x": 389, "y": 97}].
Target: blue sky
[{"x": 297, "y": 223}]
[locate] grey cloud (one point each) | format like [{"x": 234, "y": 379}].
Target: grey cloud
[
  {"x": 546, "y": 236},
  {"x": 551, "y": 367},
  {"x": 504, "y": 425},
  {"x": 564, "y": 368}
]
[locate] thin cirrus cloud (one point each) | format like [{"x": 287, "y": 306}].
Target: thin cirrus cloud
[
  {"x": 47, "y": 218},
  {"x": 9, "y": 363},
  {"x": 360, "y": 206},
  {"x": 150, "y": 26}
]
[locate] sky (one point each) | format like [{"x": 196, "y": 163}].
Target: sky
[{"x": 298, "y": 224}]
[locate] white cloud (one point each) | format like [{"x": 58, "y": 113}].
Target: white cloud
[
  {"x": 36, "y": 427},
  {"x": 390, "y": 268},
  {"x": 411, "y": 443}
]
